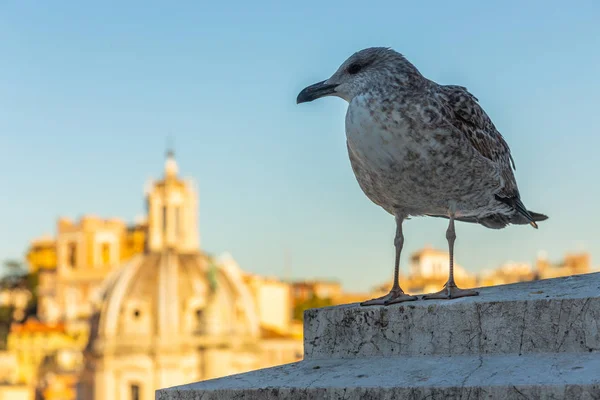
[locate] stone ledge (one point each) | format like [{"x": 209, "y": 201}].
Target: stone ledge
[
  {"x": 527, "y": 340},
  {"x": 557, "y": 376},
  {"x": 548, "y": 316}
]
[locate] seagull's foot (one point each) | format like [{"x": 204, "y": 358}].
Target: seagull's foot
[
  {"x": 450, "y": 292},
  {"x": 394, "y": 296}
]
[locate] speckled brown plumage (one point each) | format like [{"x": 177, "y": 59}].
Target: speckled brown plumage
[
  {"x": 437, "y": 148},
  {"x": 418, "y": 148}
]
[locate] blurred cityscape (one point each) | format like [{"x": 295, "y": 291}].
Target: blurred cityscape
[{"x": 107, "y": 310}]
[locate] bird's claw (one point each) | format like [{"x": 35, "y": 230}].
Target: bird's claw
[
  {"x": 450, "y": 292},
  {"x": 394, "y": 296}
]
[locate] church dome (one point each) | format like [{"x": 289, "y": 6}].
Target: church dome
[{"x": 175, "y": 299}]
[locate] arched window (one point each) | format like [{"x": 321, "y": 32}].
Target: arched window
[
  {"x": 72, "y": 254},
  {"x": 105, "y": 254},
  {"x": 177, "y": 222},
  {"x": 135, "y": 391},
  {"x": 199, "y": 321}
]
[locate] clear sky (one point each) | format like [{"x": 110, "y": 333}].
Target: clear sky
[{"x": 90, "y": 92}]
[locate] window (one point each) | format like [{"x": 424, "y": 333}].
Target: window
[
  {"x": 136, "y": 313},
  {"x": 164, "y": 219},
  {"x": 72, "y": 254},
  {"x": 177, "y": 222},
  {"x": 105, "y": 254},
  {"x": 135, "y": 392},
  {"x": 199, "y": 325}
]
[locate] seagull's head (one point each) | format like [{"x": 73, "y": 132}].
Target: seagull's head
[{"x": 361, "y": 72}]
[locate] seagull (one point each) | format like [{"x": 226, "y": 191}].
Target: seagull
[{"x": 418, "y": 148}]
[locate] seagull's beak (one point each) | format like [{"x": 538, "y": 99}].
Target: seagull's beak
[{"x": 315, "y": 91}]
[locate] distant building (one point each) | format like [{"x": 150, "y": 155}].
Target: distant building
[
  {"x": 87, "y": 243},
  {"x": 85, "y": 253},
  {"x": 325, "y": 289},
  {"x": 572, "y": 264},
  {"x": 15, "y": 296},
  {"x": 58, "y": 375},
  {"x": 42, "y": 254},
  {"x": 428, "y": 272},
  {"x": 508, "y": 273},
  {"x": 8, "y": 367},
  {"x": 124, "y": 310},
  {"x": 432, "y": 263},
  {"x": 174, "y": 314},
  {"x": 32, "y": 341},
  {"x": 15, "y": 392},
  {"x": 10, "y": 386},
  {"x": 273, "y": 316}
]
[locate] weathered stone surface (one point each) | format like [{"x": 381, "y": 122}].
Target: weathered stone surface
[
  {"x": 457, "y": 377},
  {"x": 529, "y": 340},
  {"x": 554, "y": 315}
]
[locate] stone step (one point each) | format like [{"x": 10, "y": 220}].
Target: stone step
[
  {"x": 549, "y": 316},
  {"x": 529, "y": 340},
  {"x": 531, "y": 376}
]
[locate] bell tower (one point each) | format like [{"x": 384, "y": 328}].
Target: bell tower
[{"x": 172, "y": 212}]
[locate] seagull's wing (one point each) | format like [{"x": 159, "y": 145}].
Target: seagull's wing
[
  {"x": 474, "y": 123},
  {"x": 466, "y": 115}
]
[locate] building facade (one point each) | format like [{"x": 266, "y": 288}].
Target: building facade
[
  {"x": 174, "y": 314},
  {"x": 32, "y": 341},
  {"x": 126, "y": 309},
  {"x": 86, "y": 252}
]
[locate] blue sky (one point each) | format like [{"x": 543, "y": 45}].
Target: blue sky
[{"x": 90, "y": 92}]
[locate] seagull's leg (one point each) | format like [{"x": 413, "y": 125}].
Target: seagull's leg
[
  {"x": 396, "y": 295},
  {"x": 450, "y": 290}
]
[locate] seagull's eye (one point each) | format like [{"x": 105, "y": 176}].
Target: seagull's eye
[{"x": 354, "y": 68}]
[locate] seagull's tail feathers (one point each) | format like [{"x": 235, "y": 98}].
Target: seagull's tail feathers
[
  {"x": 519, "y": 219},
  {"x": 522, "y": 216}
]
